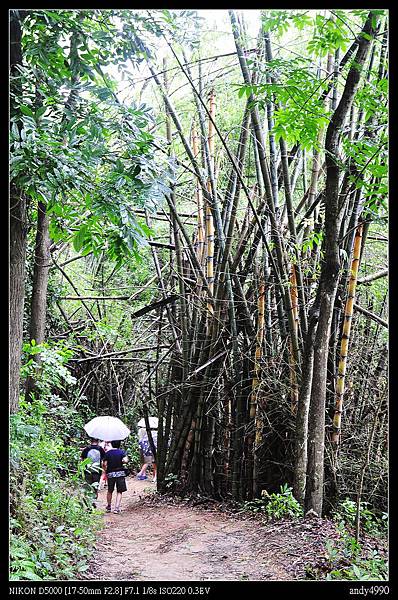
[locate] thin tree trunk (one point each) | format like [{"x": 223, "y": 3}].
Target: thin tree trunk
[
  {"x": 329, "y": 274},
  {"x": 17, "y": 239},
  {"x": 39, "y": 287},
  {"x": 301, "y": 434}
]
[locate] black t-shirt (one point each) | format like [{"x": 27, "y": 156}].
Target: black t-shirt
[
  {"x": 114, "y": 459},
  {"x": 93, "y": 447}
]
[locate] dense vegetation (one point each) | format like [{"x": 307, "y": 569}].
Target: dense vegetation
[{"x": 200, "y": 235}]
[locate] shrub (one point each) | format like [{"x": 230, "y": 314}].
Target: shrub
[
  {"x": 283, "y": 504},
  {"x": 276, "y": 506},
  {"x": 131, "y": 417},
  {"x": 346, "y": 560},
  {"x": 133, "y": 451},
  {"x": 370, "y": 522},
  {"x": 52, "y": 524}
]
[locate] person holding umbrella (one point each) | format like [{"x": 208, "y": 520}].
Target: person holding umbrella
[
  {"x": 113, "y": 464},
  {"x": 111, "y": 428}
]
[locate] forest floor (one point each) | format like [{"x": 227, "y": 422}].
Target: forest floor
[{"x": 159, "y": 538}]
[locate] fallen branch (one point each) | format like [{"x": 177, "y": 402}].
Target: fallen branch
[
  {"x": 95, "y": 297},
  {"x": 373, "y": 277},
  {"x": 121, "y": 353},
  {"x": 209, "y": 362},
  {"x": 154, "y": 305},
  {"x": 370, "y": 315}
]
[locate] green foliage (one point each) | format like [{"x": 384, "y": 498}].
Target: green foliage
[
  {"x": 280, "y": 21},
  {"x": 346, "y": 561},
  {"x": 329, "y": 35},
  {"x": 301, "y": 112},
  {"x": 51, "y": 372},
  {"x": 275, "y": 506},
  {"x": 330, "y": 31},
  {"x": 74, "y": 146},
  {"x": 314, "y": 239},
  {"x": 283, "y": 504},
  {"x": 371, "y": 523},
  {"x": 133, "y": 453},
  {"x": 181, "y": 25},
  {"x": 52, "y": 525}
]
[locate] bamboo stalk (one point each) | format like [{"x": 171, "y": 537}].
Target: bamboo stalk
[
  {"x": 199, "y": 203},
  {"x": 281, "y": 272},
  {"x": 259, "y": 348},
  {"x": 209, "y": 214},
  {"x": 293, "y": 368},
  {"x": 256, "y": 383},
  {"x": 340, "y": 385}
]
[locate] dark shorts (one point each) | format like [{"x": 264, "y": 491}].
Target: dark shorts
[
  {"x": 120, "y": 483},
  {"x": 92, "y": 477}
]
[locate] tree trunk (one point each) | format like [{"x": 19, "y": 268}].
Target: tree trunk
[
  {"x": 18, "y": 235},
  {"x": 300, "y": 454},
  {"x": 39, "y": 289},
  {"x": 329, "y": 273}
]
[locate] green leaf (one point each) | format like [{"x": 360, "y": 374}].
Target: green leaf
[
  {"x": 29, "y": 575},
  {"x": 357, "y": 571},
  {"x": 40, "y": 112},
  {"x": 103, "y": 93},
  {"x": 80, "y": 237},
  {"x": 26, "y": 110}
]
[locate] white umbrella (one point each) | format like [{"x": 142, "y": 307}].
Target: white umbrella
[
  {"x": 107, "y": 428},
  {"x": 153, "y": 422}
]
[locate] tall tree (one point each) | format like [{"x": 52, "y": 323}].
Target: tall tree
[
  {"x": 18, "y": 228},
  {"x": 330, "y": 270}
]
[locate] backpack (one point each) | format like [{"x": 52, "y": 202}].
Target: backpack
[
  {"x": 145, "y": 447},
  {"x": 94, "y": 455}
]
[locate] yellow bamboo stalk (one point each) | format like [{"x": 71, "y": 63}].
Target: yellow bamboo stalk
[
  {"x": 209, "y": 215},
  {"x": 293, "y": 375},
  {"x": 199, "y": 202},
  {"x": 340, "y": 385}
]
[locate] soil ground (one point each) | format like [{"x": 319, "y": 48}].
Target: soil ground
[{"x": 158, "y": 539}]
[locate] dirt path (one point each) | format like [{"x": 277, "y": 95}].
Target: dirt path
[{"x": 157, "y": 541}]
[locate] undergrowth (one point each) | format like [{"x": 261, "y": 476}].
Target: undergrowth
[
  {"x": 348, "y": 559},
  {"x": 52, "y": 523},
  {"x": 276, "y": 505}
]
